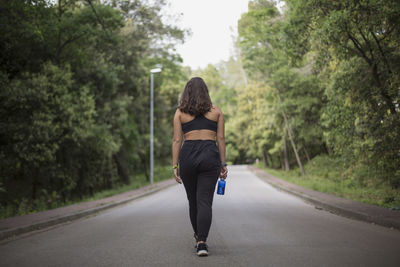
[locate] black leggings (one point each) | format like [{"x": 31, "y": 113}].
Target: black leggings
[{"x": 200, "y": 166}]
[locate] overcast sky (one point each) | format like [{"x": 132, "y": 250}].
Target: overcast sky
[{"x": 212, "y": 23}]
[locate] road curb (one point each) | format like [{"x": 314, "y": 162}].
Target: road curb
[
  {"x": 12, "y": 232},
  {"x": 340, "y": 206}
]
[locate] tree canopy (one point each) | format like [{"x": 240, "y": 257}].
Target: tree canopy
[
  {"x": 321, "y": 77},
  {"x": 317, "y": 77},
  {"x": 74, "y": 96}
]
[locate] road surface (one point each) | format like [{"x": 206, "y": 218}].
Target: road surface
[{"x": 253, "y": 225}]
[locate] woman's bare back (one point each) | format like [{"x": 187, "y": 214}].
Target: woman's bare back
[{"x": 213, "y": 115}]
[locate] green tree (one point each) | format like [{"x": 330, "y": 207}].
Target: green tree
[
  {"x": 357, "y": 59},
  {"x": 298, "y": 97},
  {"x": 74, "y": 96}
]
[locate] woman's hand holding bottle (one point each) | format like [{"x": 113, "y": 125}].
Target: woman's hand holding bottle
[{"x": 224, "y": 172}]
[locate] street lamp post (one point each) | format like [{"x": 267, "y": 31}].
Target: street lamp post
[{"x": 152, "y": 71}]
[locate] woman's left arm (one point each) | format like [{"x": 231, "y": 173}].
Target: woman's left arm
[{"x": 176, "y": 144}]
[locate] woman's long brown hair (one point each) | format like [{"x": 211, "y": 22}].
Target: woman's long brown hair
[{"x": 195, "y": 99}]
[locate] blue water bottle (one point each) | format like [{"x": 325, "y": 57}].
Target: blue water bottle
[{"x": 221, "y": 186}]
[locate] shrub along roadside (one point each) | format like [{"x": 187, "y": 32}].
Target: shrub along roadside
[
  {"x": 53, "y": 201},
  {"x": 325, "y": 174}
]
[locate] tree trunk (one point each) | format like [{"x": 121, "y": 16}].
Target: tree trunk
[
  {"x": 307, "y": 156},
  {"x": 121, "y": 170},
  {"x": 108, "y": 182},
  {"x": 383, "y": 90},
  {"x": 293, "y": 144},
  {"x": 291, "y": 136},
  {"x": 34, "y": 184},
  {"x": 285, "y": 154},
  {"x": 264, "y": 157},
  {"x": 270, "y": 162},
  {"x": 328, "y": 149}
]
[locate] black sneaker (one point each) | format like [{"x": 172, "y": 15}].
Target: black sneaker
[{"x": 202, "y": 250}]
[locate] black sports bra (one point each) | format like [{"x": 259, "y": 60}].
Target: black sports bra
[{"x": 198, "y": 123}]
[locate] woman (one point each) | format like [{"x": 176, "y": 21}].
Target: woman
[{"x": 201, "y": 162}]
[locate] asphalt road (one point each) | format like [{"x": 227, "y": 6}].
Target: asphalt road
[{"x": 253, "y": 225}]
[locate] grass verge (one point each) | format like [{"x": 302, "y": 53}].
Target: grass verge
[
  {"x": 325, "y": 174},
  {"x": 26, "y": 207},
  {"x": 160, "y": 174}
]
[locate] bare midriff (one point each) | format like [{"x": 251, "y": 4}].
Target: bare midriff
[{"x": 200, "y": 135}]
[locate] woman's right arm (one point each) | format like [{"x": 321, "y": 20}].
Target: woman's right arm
[
  {"x": 176, "y": 144},
  {"x": 221, "y": 142}
]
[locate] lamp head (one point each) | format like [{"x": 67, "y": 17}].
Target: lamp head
[{"x": 156, "y": 70}]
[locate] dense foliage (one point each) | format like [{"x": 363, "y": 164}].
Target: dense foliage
[
  {"x": 321, "y": 77},
  {"x": 74, "y": 99},
  {"x": 316, "y": 80}
]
